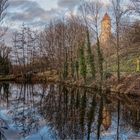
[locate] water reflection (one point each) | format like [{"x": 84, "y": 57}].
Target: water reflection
[{"x": 49, "y": 112}]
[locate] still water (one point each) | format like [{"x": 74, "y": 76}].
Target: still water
[{"x": 56, "y": 112}]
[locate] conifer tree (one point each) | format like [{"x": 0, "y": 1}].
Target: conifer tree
[
  {"x": 65, "y": 73},
  {"x": 83, "y": 68},
  {"x": 90, "y": 56},
  {"x": 77, "y": 69}
]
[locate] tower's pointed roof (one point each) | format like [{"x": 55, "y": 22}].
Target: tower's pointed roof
[{"x": 106, "y": 17}]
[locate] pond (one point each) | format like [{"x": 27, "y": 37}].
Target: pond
[{"x": 57, "y": 112}]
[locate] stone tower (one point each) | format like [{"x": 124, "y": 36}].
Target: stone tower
[{"x": 105, "y": 31}]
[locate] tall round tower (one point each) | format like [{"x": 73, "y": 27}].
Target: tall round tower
[{"x": 105, "y": 30}]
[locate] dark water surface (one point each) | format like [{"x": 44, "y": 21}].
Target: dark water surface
[{"x": 56, "y": 112}]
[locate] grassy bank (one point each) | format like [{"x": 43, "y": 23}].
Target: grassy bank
[
  {"x": 129, "y": 83},
  {"x": 7, "y": 78}
]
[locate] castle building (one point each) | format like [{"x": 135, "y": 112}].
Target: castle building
[{"x": 105, "y": 35}]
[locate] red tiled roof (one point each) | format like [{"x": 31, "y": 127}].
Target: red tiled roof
[{"x": 106, "y": 17}]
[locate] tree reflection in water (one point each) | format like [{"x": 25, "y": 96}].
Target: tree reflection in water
[{"x": 69, "y": 113}]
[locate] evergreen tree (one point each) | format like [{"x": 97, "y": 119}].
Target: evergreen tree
[
  {"x": 65, "y": 72},
  {"x": 90, "y": 56},
  {"x": 83, "y": 67},
  {"x": 4, "y": 66},
  {"x": 77, "y": 69},
  {"x": 100, "y": 60}
]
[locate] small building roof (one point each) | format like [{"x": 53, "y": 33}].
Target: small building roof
[{"x": 106, "y": 17}]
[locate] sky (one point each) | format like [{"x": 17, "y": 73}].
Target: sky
[
  {"x": 37, "y": 13},
  {"x": 34, "y": 13}
]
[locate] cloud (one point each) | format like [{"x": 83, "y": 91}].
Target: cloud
[
  {"x": 68, "y": 3},
  {"x": 28, "y": 11}
]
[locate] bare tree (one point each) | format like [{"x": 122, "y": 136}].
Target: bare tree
[
  {"x": 25, "y": 48},
  {"x": 93, "y": 11},
  {"x": 135, "y": 6},
  {"x": 4, "y": 59},
  {"x": 59, "y": 43},
  {"x": 85, "y": 9},
  {"x": 3, "y": 7},
  {"x": 4, "y": 51},
  {"x": 118, "y": 13}
]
